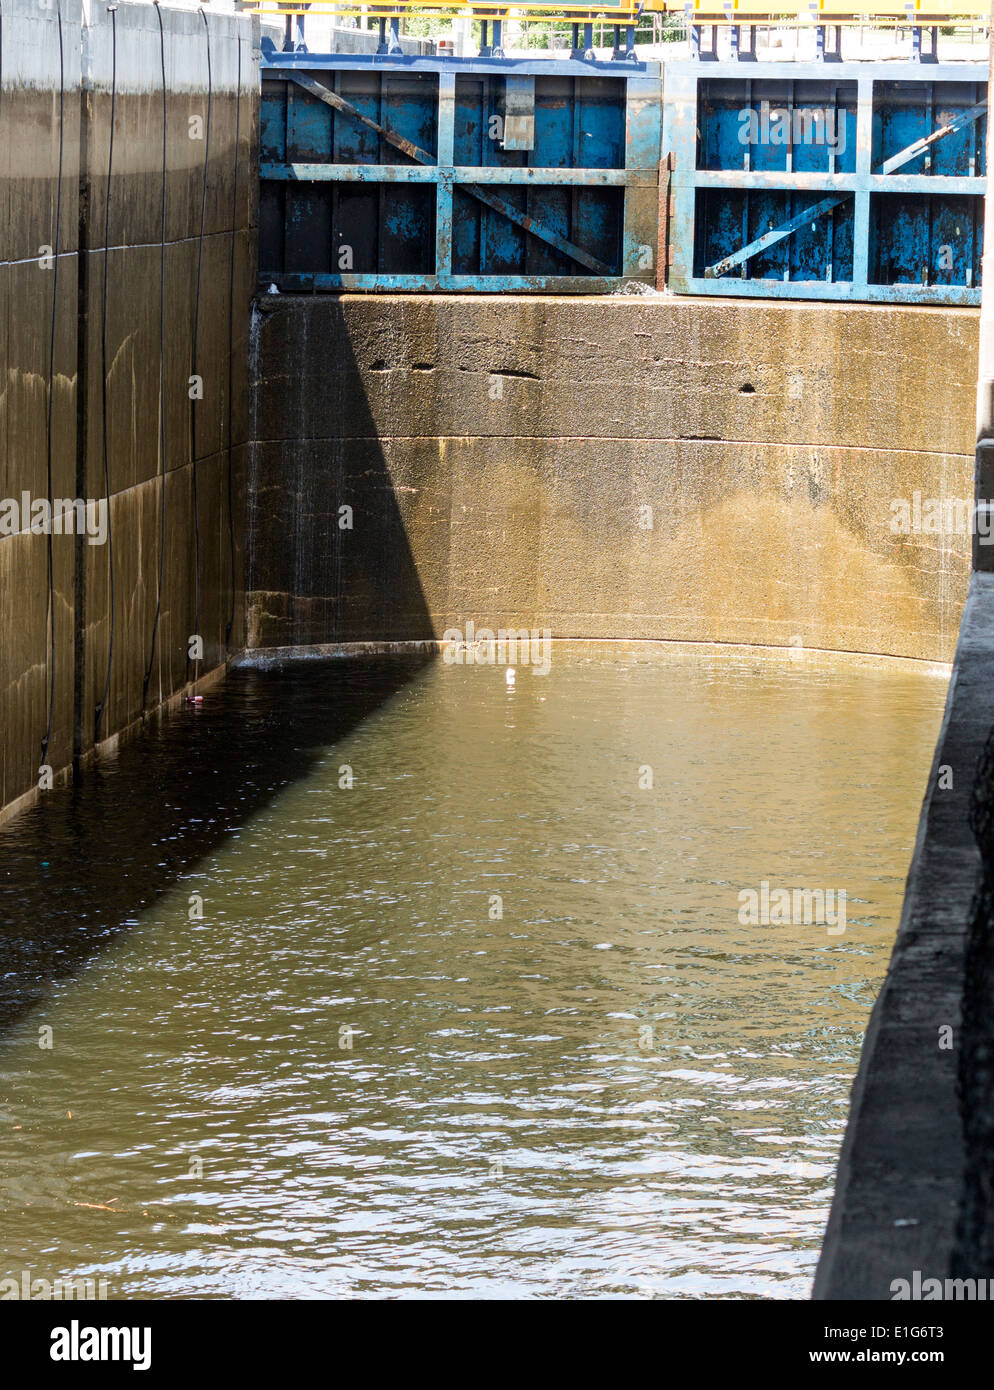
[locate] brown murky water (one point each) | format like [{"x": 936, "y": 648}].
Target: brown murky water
[{"x": 351, "y": 1077}]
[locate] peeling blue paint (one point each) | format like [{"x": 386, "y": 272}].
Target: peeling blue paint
[
  {"x": 342, "y": 207},
  {"x": 913, "y": 234}
]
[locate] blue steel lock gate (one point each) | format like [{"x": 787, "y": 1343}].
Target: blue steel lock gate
[
  {"x": 393, "y": 172},
  {"x": 412, "y": 173},
  {"x": 890, "y": 208}
]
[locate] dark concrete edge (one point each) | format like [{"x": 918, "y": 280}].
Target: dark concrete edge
[
  {"x": 900, "y": 1177},
  {"x": 828, "y": 658},
  {"x": 107, "y": 748}
]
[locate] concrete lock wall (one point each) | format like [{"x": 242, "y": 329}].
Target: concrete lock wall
[
  {"x": 498, "y": 455},
  {"x": 39, "y": 127},
  {"x": 167, "y": 475},
  {"x": 913, "y": 1195}
]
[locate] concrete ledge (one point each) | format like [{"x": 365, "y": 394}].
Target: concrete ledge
[
  {"x": 902, "y": 1175},
  {"x": 108, "y": 747},
  {"x": 269, "y": 658}
]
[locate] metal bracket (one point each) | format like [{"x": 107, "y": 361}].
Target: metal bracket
[
  {"x": 742, "y": 54},
  {"x": 920, "y": 52},
  {"x": 826, "y": 52},
  {"x": 586, "y": 52},
  {"x": 391, "y": 47},
  {"x": 519, "y": 113},
  {"x": 291, "y": 44},
  {"x": 709, "y": 55},
  {"x": 626, "y": 54}
]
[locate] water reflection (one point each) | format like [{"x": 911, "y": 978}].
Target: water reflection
[{"x": 485, "y": 1022}]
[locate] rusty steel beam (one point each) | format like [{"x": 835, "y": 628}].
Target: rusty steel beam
[{"x": 664, "y": 248}]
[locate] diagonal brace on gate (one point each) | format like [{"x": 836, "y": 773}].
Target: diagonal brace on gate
[
  {"x": 483, "y": 195},
  {"x": 961, "y": 119},
  {"x": 896, "y": 161},
  {"x": 712, "y": 272}
]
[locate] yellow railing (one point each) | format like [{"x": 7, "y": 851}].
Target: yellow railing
[
  {"x": 770, "y": 11},
  {"x": 905, "y": 10},
  {"x": 624, "y": 13}
]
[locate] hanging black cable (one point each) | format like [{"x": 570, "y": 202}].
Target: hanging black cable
[
  {"x": 112, "y": 9},
  {"x": 162, "y": 371},
  {"x": 231, "y": 343},
  {"x": 51, "y": 399},
  {"x": 196, "y": 334}
]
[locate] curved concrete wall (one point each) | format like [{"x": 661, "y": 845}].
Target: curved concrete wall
[{"x": 499, "y": 454}]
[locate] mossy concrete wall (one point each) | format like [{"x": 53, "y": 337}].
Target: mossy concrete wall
[
  {"x": 500, "y": 453},
  {"x": 37, "y": 376},
  {"x": 204, "y": 283},
  {"x": 172, "y": 559}
]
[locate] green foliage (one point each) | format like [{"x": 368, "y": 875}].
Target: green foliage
[
  {"x": 535, "y": 33},
  {"x": 437, "y": 25}
]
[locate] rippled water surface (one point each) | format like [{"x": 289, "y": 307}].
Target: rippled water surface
[{"x": 351, "y": 1076}]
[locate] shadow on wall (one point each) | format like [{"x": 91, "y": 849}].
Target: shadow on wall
[
  {"x": 82, "y": 864},
  {"x": 328, "y": 554}
]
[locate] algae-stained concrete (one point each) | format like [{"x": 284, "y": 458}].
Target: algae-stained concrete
[
  {"x": 176, "y": 498},
  {"x": 56, "y": 109},
  {"x": 39, "y": 218},
  {"x": 628, "y": 466}
]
